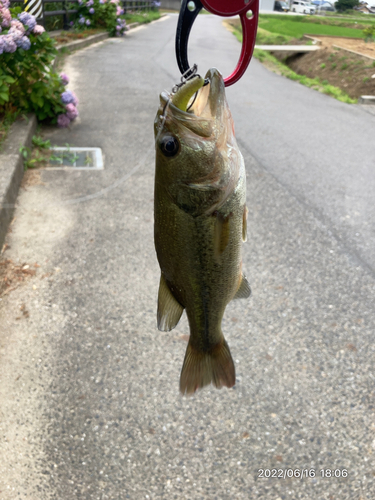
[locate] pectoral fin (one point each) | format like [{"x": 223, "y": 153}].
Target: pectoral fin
[
  {"x": 169, "y": 309},
  {"x": 244, "y": 290}
]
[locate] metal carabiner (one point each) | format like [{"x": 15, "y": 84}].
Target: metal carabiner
[{"x": 248, "y": 10}]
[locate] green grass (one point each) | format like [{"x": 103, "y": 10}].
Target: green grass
[
  {"x": 267, "y": 38},
  {"x": 146, "y": 17},
  {"x": 353, "y": 15},
  {"x": 296, "y": 27}
]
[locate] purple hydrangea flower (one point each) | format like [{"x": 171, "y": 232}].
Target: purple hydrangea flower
[
  {"x": 1, "y": 44},
  {"x": 92, "y": 10},
  {"x": 24, "y": 43},
  {"x": 28, "y": 20},
  {"x": 64, "y": 78},
  {"x": 88, "y": 22},
  {"x": 38, "y": 30},
  {"x": 71, "y": 111},
  {"x": 81, "y": 20},
  {"x": 118, "y": 28},
  {"x": 9, "y": 43},
  {"x": 101, "y": 1},
  {"x": 67, "y": 97},
  {"x": 5, "y": 3},
  {"x": 89, "y": 3},
  {"x": 63, "y": 121},
  {"x": 75, "y": 99},
  {"x": 16, "y": 35}
]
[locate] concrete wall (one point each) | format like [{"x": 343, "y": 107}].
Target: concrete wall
[
  {"x": 266, "y": 5},
  {"x": 171, "y": 4}
]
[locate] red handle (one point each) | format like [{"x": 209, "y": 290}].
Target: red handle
[{"x": 243, "y": 8}]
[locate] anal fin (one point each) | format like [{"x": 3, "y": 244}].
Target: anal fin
[
  {"x": 169, "y": 309},
  {"x": 244, "y": 290}
]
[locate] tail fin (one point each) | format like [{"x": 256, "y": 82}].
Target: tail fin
[{"x": 201, "y": 368}]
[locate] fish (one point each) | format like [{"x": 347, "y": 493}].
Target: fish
[{"x": 200, "y": 222}]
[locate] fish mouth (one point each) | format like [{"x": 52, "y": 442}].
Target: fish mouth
[{"x": 207, "y": 107}]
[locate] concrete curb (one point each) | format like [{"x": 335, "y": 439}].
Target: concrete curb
[
  {"x": 354, "y": 52},
  {"x": 318, "y": 41},
  {"x": 82, "y": 43},
  {"x": 366, "y": 99},
  {"x": 11, "y": 169}
]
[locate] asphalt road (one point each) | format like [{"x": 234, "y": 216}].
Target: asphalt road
[{"x": 89, "y": 401}]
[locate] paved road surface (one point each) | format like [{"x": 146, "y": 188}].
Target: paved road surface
[{"x": 89, "y": 401}]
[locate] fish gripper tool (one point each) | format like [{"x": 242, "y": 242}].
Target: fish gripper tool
[{"x": 248, "y": 10}]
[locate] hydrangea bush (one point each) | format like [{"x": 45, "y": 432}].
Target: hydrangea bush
[
  {"x": 27, "y": 81},
  {"x": 70, "y": 103},
  {"x": 101, "y": 14}
]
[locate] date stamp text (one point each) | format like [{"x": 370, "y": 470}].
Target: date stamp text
[{"x": 302, "y": 473}]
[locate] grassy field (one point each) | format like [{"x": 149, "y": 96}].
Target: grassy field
[{"x": 296, "y": 27}]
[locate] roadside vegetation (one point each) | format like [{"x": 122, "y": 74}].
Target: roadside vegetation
[
  {"x": 332, "y": 71},
  {"x": 315, "y": 83},
  {"x": 78, "y": 34},
  {"x": 29, "y": 82},
  {"x": 142, "y": 18}
]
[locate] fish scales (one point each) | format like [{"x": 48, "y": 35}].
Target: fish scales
[{"x": 200, "y": 223}]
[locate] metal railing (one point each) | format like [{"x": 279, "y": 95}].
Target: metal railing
[
  {"x": 136, "y": 5},
  {"x": 68, "y": 9}
]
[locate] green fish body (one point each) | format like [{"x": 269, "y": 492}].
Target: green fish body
[{"x": 200, "y": 223}]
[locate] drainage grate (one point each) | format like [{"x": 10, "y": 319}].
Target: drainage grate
[{"x": 76, "y": 159}]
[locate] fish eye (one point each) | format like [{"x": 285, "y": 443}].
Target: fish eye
[{"x": 169, "y": 145}]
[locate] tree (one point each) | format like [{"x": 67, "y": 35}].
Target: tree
[{"x": 342, "y": 5}]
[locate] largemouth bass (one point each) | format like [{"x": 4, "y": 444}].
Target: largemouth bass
[{"x": 200, "y": 223}]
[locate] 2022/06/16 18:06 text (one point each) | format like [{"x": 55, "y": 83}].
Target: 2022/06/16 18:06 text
[{"x": 301, "y": 473}]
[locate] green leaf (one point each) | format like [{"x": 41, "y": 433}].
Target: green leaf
[{"x": 8, "y": 79}]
